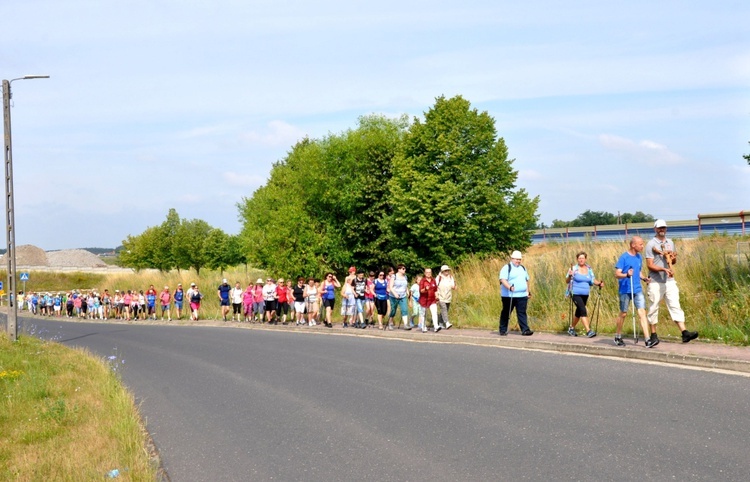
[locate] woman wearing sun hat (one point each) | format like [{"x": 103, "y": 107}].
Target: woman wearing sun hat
[
  {"x": 445, "y": 286},
  {"x": 259, "y": 305}
]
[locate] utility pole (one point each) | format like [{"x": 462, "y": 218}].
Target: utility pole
[{"x": 10, "y": 254}]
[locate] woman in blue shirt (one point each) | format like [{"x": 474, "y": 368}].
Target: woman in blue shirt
[
  {"x": 380, "y": 287},
  {"x": 580, "y": 279}
]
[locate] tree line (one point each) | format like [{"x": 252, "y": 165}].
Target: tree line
[
  {"x": 181, "y": 244},
  {"x": 601, "y": 218}
]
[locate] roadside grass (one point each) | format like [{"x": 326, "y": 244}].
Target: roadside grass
[
  {"x": 64, "y": 415},
  {"x": 714, "y": 288}
]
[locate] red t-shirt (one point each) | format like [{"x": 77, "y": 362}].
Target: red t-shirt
[
  {"x": 281, "y": 294},
  {"x": 427, "y": 291}
]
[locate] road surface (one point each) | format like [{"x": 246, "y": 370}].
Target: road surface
[{"x": 235, "y": 404}]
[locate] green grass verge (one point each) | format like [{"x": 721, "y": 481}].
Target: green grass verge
[{"x": 64, "y": 415}]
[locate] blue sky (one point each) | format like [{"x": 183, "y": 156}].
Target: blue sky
[{"x": 609, "y": 106}]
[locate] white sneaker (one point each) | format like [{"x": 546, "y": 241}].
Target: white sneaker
[{"x": 448, "y": 325}]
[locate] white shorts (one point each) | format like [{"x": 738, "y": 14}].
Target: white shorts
[
  {"x": 348, "y": 306},
  {"x": 671, "y": 294}
]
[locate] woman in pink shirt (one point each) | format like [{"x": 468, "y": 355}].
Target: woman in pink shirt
[
  {"x": 259, "y": 304},
  {"x": 126, "y": 300},
  {"x": 247, "y": 302}
]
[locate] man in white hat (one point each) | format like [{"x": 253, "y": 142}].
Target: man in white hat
[
  {"x": 190, "y": 292},
  {"x": 660, "y": 256},
  {"x": 515, "y": 294}
]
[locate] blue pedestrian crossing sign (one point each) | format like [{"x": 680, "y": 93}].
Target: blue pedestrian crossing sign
[{"x": 24, "y": 276}]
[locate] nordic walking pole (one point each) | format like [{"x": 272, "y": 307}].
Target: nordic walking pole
[
  {"x": 570, "y": 319},
  {"x": 510, "y": 307},
  {"x": 570, "y": 294},
  {"x": 596, "y": 308},
  {"x": 632, "y": 310}
]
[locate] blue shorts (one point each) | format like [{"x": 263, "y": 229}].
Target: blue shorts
[
  {"x": 640, "y": 301},
  {"x": 178, "y": 305},
  {"x": 224, "y": 302}
]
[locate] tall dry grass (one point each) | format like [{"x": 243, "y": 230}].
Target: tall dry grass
[{"x": 714, "y": 288}]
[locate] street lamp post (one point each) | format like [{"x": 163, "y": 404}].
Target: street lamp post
[{"x": 10, "y": 254}]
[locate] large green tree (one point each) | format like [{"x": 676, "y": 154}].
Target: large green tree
[
  {"x": 140, "y": 251},
  {"x": 189, "y": 246},
  {"x": 152, "y": 248},
  {"x": 279, "y": 233},
  {"x": 216, "y": 249},
  {"x": 324, "y": 204},
  {"x": 388, "y": 191},
  {"x": 453, "y": 190}
]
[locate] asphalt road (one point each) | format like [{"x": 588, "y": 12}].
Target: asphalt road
[{"x": 234, "y": 404}]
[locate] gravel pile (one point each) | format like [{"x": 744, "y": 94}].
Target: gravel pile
[
  {"x": 74, "y": 258},
  {"x": 29, "y": 255}
]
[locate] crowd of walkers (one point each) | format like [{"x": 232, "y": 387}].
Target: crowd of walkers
[
  {"x": 365, "y": 298},
  {"x": 125, "y": 305}
]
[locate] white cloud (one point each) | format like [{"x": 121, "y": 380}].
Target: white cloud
[
  {"x": 204, "y": 131},
  {"x": 277, "y": 133},
  {"x": 529, "y": 175},
  {"x": 644, "y": 151},
  {"x": 191, "y": 198},
  {"x": 242, "y": 180}
]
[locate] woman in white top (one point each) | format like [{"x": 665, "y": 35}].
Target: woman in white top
[
  {"x": 236, "y": 297},
  {"x": 445, "y": 286},
  {"x": 398, "y": 287},
  {"x": 311, "y": 302}
]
